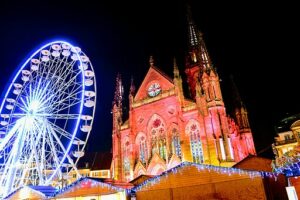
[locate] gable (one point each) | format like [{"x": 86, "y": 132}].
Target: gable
[
  {"x": 153, "y": 75},
  {"x": 254, "y": 163},
  {"x": 87, "y": 187},
  {"x": 156, "y": 164},
  {"x": 174, "y": 161},
  {"x": 26, "y": 193},
  {"x": 139, "y": 167}
]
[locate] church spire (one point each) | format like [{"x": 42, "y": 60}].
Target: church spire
[
  {"x": 178, "y": 82},
  {"x": 151, "y": 61},
  {"x": 198, "y": 54},
  {"x": 175, "y": 69},
  {"x": 118, "y": 92},
  {"x": 198, "y": 62},
  {"x": 132, "y": 87},
  {"x": 193, "y": 33},
  {"x": 240, "y": 111},
  {"x": 131, "y": 93}
]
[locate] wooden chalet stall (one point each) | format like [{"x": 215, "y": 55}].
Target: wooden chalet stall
[{"x": 195, "y": 181}]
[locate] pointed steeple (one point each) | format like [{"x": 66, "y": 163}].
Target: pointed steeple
[
  {"x": 178, "y": 82},
  {"x": 131, "y": 94},
  {"x": 204, "y": 57},
  {"x": 132, "y": 87},
  {"x": 151, "y": 61},
  {"x": 240, "y": 110},
  {"x": 118, "y": 92},
  {"x": 193, "y": 33},
  {"x": 198, "y": 54},
  {"x": 175, "y": 69}
]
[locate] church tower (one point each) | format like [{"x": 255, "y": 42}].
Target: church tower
[
  {"x": 117, "y": 122},
  {"x": 241, "y": 118},
  {"x": 204, "y": 85}
]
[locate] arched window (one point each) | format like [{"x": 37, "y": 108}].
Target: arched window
[
  {"x": 143, "y": 150},
  {"x": 126, "y": 160},
  {"x": 142, "y": 147},
  {"x": 192, "y": 128},
  {"x": 175, "y": 142},
  {"x": 158, "y": 137}
]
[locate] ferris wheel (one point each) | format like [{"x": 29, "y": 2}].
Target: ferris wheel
[{"x": 46, "y": 116}]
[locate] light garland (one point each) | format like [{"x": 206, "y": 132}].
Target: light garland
[
  {"x": 94, "y": 182},
  {"x": 201, "y": 167},
  {"x": 152, "y": 181},
  {"x": 288, "y": 164}
]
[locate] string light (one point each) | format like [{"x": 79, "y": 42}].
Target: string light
[
  {"x": 85, "y": 181},
  {"x": 92, "y": 181},
  {"x": 202, "y": 167}
]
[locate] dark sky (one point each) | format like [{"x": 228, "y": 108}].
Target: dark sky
[{"x": 257, "y": 43}]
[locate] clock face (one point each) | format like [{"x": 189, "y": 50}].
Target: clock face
[{"x": 154, "y": 89}]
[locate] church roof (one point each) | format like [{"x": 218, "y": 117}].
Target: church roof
[
  {"x": 189, "y": 171},
  {"x": 163, "y": 74},
  {"x": 254, "y": 163}
]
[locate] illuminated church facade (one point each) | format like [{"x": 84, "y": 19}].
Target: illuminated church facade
[{"x": 164, "y": 128}]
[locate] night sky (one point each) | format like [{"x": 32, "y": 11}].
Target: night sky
[{"x": 258, "y": 44}]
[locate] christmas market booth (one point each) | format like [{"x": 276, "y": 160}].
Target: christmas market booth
[
  {"x": 196, "y": 181},
  {"x": 93, "y": 188}
]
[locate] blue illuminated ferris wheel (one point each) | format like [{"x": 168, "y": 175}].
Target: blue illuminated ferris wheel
[{"x": 46, "y": 116}]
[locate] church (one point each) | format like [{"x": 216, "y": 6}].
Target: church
[{"x": 165, "y": 128}]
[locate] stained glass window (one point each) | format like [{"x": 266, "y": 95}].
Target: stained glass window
[
  {"x": 126, "y": 160},
  {"x": 143, "y": 150},
  {"x": 158, "y": 137},
  {"x": 176, "y": 148},
  {"x": 193, "y": 130}
]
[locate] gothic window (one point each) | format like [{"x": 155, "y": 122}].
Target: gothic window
[
  {"x": 193, "y": 130},
  {"x": 158, "y": 137},
  {"x": 142, "y": 147},
  {"x": 126, "y": 160},
  {"x": 175, "y": 143},
  {"x": 143, "y": 150}
]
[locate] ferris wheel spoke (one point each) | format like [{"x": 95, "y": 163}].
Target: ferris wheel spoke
[
  {"x": 10, "y": 134},
  {"x": 63, "y": 89},
  {"x": 63, "y": 148},
  {"x": 11, "y": 167},
  {"x": 61, "y": 131},
  {"x": 18, "y": 115},
  {"x": 56, "y": 102},
  {"x": 34, "y": 144},
  {"x": 26, "y": 169},
  {"x": 65, "y": 106},
  {"x": 54, "y": 151},
  {"x": 21, "y": 106},
  {"x": 64, "y": 73},
  {"x": 62, "y": 116}
]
